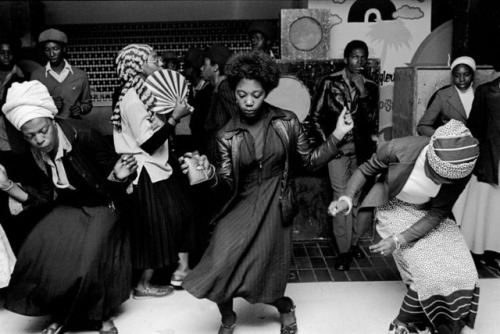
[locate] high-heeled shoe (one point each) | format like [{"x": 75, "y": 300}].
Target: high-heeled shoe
[
  {"x": 290, "y": 328},
  {"x": 228, "y": 329},
  {"x": 224, "y": 329},
  {"x": 54, "y": 328}
]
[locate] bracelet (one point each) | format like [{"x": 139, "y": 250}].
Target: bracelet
[
  {"x": 9, "y": 187},
  {"x": 348, "y": 200},
  {"x": 396, "y": 240}
]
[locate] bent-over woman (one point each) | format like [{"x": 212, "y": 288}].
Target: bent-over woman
[
  {"x": 75, "y": 263},
  {"x": 420, "y": 180}
]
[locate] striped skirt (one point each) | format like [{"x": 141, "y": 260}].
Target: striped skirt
[{"x": 438, "y": 267}]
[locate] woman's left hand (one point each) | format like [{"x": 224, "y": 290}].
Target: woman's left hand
[
  {"x": 385, "y": 247},
  {"x": 125, "y": 166}
]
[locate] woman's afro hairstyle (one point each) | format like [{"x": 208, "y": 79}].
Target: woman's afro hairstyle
[{"x": 253, "y": 65}]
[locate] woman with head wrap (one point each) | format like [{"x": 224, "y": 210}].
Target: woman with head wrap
[
  {"x": 420, "y": 179},
  {"x": 75, "y": 263},
  {"x": 164, "y": 215},
  {"x": 450, "y": 102}
]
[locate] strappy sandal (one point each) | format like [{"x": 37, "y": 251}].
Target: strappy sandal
[
  {"x": 291, "y": 328},
  {"x": 223, "y": 329},
  {"x": 53, "y": 328},
  {"x": 111, "y": 330}
]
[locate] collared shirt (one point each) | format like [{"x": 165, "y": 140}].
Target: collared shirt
[
  {"x": 43, "y": 159},
  {"x": 59, "y": 76},
  {"x": 466, "y": 97}
]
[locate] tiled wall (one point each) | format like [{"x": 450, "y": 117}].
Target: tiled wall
[{"x": 94, "y": 47}]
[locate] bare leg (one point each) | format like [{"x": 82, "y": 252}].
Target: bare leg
[{"x": 145, "y": 280}]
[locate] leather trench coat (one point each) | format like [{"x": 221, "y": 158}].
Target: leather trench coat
[{"x": 298, "y": 150}]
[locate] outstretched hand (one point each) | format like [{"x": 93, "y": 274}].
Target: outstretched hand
[
  {"x": 344, "y": 124},
  {"x": 384, "y": 247}
]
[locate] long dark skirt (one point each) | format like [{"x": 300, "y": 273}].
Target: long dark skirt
[
  {"x": 164, "y": 221},
  {"x": 74, "y": 264}
]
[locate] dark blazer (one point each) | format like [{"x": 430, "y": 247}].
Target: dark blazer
[
  {"x": 484, "y": 123},
  {"x": 394, "y": 162},
  {"x": 445, "y": 105}
]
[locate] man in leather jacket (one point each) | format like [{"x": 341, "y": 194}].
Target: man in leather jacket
[{"x": 347, "y": 88}]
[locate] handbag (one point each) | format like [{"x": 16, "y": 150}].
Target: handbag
[{"x": 288, "y": 202}]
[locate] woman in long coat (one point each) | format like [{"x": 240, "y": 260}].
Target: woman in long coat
[{"x": 250, "y": 249}]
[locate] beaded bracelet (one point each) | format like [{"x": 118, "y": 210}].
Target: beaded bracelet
[{"x": 9, "y": 187}]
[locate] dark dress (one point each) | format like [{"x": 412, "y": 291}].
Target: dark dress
[
  {"x": 256, "y": 247},
  {"x": 75, "y": 263}
]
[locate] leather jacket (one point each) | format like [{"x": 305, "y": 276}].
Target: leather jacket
[
  {"x": 296, "y": 143},
  {"x": 331, "y": 95}
]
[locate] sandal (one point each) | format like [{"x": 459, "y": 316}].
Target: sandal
[
  {"x": 53, "y": 328},
  {"x": 112, "y": 329},
  {"x": 223, "y": 329},
  {"x": 177, "y": 279},
  {"x": 152, "y": 292},
  {"x": 291, "y": 328}
]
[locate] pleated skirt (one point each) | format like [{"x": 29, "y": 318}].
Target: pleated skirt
[
  {"x": 439, "y": 266},
  {"x": 163, "y": 223},
  {"x": 74, "y": 264}
]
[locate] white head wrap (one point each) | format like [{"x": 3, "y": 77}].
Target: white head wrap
[
  {"x": 27, "y": 101},
  {"x": 464, "y": 60}
]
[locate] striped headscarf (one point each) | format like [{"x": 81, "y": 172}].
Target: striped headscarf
[
  {"x": 453, "y": 151},
  {"x": 129, "y": 64}
]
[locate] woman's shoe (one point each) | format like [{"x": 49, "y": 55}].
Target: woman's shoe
[
  {"x": 111, "y": 330},
  {"x": 223, "y": 329},
  {"x": 177, "y": 280},
  {"x": 397, "y": 327},
  {"x": 53, "y": 328},
  {"x": 152, "y": 292},
  {"x": 292, "y": 327}
]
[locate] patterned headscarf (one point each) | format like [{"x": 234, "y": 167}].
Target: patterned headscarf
[
  {"x": 453, "y": 151},
  {"x": 129, "y": 64}
]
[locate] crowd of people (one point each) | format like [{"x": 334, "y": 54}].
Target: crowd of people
[{"x": 85, "y": 221}]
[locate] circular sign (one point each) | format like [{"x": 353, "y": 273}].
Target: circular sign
[{"x": 305, "y": 33}]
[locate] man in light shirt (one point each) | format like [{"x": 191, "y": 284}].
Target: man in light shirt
[{"x": 68, "y": 85}]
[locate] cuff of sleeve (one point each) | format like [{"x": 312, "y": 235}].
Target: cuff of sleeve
[{"x": 348, "y": 200}]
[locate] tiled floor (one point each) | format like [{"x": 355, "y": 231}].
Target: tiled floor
[{"x": 313, "y": 262}]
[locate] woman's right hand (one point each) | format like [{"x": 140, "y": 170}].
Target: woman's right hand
[
  {"x": 4, "y": 178},
  {"x": 181, "y": 109},
  {"x": 203, "y": 162}
]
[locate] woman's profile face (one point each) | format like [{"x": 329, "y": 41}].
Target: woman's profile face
[
  {"x": 462, "y": 76},
  {"x": 152, "y": 64},
  {"x": 41, "y": 133},
  {"x": 249, "y": 96}
]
